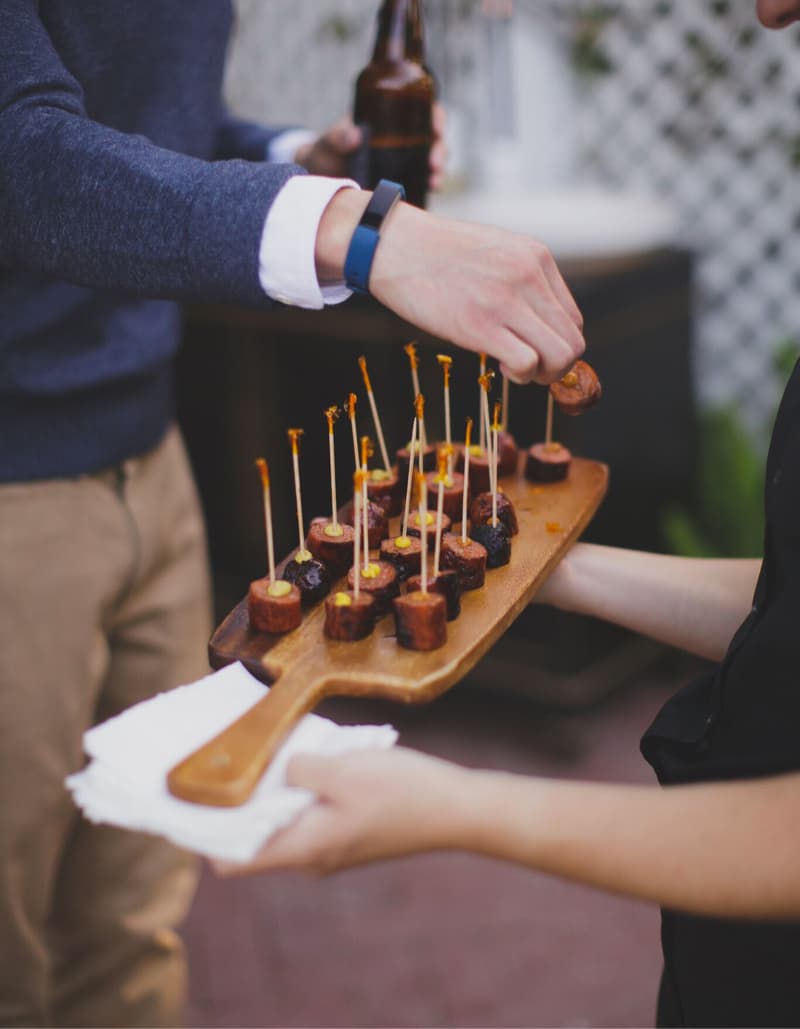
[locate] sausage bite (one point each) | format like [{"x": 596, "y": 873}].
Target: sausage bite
[
  {"x": 273, "y": 607},
  {"x": 421, "y": 620},
  {"x": 347, "y": 617},
  {"x": 578, "y": 390},
  {"x": 467, "y": 557},
  {"x": 547, "y": 462}
]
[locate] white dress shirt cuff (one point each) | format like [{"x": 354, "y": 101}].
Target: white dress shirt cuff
[
  {"x": 284, "y": 146},
  {"x": 286, "y": 265}
]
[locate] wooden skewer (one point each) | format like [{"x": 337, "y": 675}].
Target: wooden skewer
[
  {"x": 358, "y": 476},
  {"x": 351, "y": 414},
  {"x": 548, "y": 432},
  {"x": 294, "y": 437},
  {"x": 366, "y": 452},
  {"x": 410, "y": 480},
  {"x": 332, "y": 413},
  {"x": 495, "y": 456},
  {"x": 486, "y": 383},
  {"x": 419, "y": 404},
  {"x": 264, "y": 470},
  {"x": 362, "y": 363},
  {"x": 444, "y": 458},
  {"x": 411, "y": 350},
  {"x": 423, "y": 532},
  {"x": 481, "y": 426},
  {"x": 467, "y": 440},
  {"x": 505, "y": 403},
  {"x": 446, "y": 364}
]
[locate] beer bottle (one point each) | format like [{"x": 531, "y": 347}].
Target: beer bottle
[{"x": 394, "y": 103}]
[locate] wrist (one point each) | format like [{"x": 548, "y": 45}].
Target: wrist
[{"x": 336, "y": 228}]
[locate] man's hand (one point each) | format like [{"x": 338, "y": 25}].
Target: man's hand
[
  {"x": 477, "y": 286},
  {"x": 482, "y": 288},
  {"x": 371, "y": 805},
  {"x": 329, "y": 153}
]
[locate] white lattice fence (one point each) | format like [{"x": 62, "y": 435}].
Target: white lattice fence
[{"x": 689, "y": 99}]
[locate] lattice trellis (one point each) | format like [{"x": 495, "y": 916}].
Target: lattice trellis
[{"x": 691, "y": 100}]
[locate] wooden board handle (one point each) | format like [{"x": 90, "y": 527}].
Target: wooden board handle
[{"x": 225, "y": 771}]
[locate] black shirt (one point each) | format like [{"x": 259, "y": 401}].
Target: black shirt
[{"x": 742, "y": 721}]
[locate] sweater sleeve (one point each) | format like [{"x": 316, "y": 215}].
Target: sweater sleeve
[
  {"x": 237, "y": 137},
  {"x": 101, "y": 208}
]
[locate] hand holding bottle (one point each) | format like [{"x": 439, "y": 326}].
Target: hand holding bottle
[{"x": 330, "y": 152}]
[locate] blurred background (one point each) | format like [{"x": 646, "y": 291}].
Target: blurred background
[{"x": 654, "y": 145}]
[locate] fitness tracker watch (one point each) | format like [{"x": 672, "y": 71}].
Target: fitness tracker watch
[{"x": 360, "y": 253}]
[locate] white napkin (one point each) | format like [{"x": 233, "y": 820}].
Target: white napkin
[{"x": 125, "y": 783}]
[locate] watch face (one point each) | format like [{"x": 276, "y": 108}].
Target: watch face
[{"x": 383, "y": 200}]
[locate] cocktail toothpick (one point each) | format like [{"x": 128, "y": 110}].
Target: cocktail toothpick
[
  {"x": 362, "y": 364},
  {"x": 486, "y": 385},
  {"x": 445, "y": 364},
  {"x": 481, "y": 425},
  {"x": 410, "y": 480},
  {"x": 504, "y": 426},
  {"x": 294, "y": 438},
  {"x": 331, "y": 414},
  {"x": 351, "y": 414},
  {"x": 411, "y": 350},
  {"x": 264, "y": 471},
  {"x": 467, "y": 441},
  {"x": 495, "y": 457},
  {"x": 548, "y": 432},
  {"x": 423, "y": 531},
  {"x": 359, "y": 479},
  {"x": 366, "y": 453},
  {"x": 440, "y": 480},
  {"x": 419, "y": 405}
]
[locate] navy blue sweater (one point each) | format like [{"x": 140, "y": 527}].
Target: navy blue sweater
[{"x": 124, "y": 188}]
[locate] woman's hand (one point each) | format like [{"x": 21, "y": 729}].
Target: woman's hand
[{"x": 372, "y": 805}]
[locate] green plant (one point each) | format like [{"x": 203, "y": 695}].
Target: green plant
[{"x": 729, "y": 517}]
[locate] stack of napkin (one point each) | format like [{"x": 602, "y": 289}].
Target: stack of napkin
[{"x": 125, "y": 782}]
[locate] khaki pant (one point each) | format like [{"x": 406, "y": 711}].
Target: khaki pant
[{"x": 104, "y": 601}]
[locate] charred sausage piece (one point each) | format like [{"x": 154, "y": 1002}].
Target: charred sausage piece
[
  {"x": 405, "y": 553},
  {"x": 452, "y": 495},
  {"x": 311, "y": 577},
  {"x": 430, "y": 527},
  {"x": 383, "y": 489},
  {"x": 348, "y": 618},
  {"x": 578, "y": 390},
  {"x": 479, "y": 480},
  {"x": 547, "y": 462},
  {"x": 467, "y": 558},
  {"x": 403, "y": 455},
  {"x": 277, "y": 611},
  {"x": 508, "y": 454},
  {"x": 497, "y": 542},
  {"x": 377, "y": 522},
  {"x": 380, "y": 579},
  {"x": 480, "y": 512},
  {"x": 448, "y": 583},
  {"x": 421, "y": 621},
  {"x": 334, "y": 549}
]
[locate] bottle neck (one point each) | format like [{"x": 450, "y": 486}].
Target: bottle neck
[{"x": 400, "y": 34}]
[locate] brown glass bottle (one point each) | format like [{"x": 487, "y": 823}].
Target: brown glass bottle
[{"x": 394, "y": 104}]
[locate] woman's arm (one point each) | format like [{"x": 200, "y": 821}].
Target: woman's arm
[
  {"x": 692, "y": 603},
  {"x": 720, "y": 849}
]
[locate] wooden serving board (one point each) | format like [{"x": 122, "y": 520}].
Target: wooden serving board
[{"x": 305, "y": 666}]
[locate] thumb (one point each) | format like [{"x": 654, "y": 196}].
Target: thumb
[
  {"x": 309, "y": 771},
  {"x": 345, "y": 136}
]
